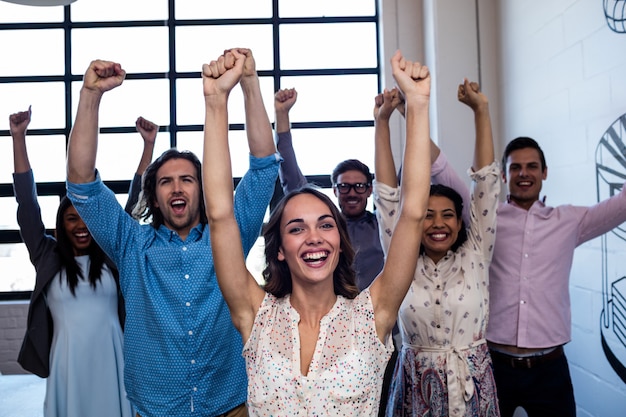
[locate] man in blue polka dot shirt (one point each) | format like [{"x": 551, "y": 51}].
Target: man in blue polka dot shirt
[{"x": 182, "y": 353}]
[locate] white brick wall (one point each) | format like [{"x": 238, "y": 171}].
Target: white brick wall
[{"x": 12, "y": 327}]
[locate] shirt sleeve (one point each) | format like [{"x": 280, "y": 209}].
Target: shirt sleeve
[
  {"x": 483, "y": 208},
  {"x": 94, "y": 202},
  {"x": 442, "y": 173},
  {"x": 387, "y": 210},
  {"x": 252, "y": 197},
  {"x": 291, "y": 178},
  {"x": 603, "y": 217},
  {"x": 133, "y": 194}
]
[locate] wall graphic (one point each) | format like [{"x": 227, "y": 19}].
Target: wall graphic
[
  {"x": 610, "y": 176},
  {"x": 615, "y": 13}
]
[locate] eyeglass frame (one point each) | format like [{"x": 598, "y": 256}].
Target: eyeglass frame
[{"x": 366, "y": 186}]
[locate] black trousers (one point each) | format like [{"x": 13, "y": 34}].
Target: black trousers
[{"x": 543, "y": 391}]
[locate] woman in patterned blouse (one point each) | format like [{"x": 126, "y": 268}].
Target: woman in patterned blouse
[
  {"x": 312, "y": 345},
  {"x": 444, "y": 368}
]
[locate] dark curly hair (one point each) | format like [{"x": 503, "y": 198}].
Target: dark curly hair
[
  {"x": 452, "y": 195},
  {"x": 146, "y": 207},
  {"x": 66, "y": 252},
  {"x": 277, "y": 274}
]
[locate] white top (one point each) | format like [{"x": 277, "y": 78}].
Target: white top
[{"x": 346, "y": 372}]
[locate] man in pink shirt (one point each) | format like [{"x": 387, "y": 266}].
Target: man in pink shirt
[{"x": 530, "y": 314}]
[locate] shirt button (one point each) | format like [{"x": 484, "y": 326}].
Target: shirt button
[
  {"x": 186, "y": 276},
  {"x": 439, "y": 326},
  {"x": 195, "y": 388},
  {"x": 525, "y": 255},
  {"x": 437, "y": 302},
  {"x": 184, "y": 248},
  {"x": 522, "y": 302},
  {"x": 193, "y": 361},
  {"x": 187, "y": 303},
  {"x": 190, "y": 332}
]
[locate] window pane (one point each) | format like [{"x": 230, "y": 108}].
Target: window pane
[
  {"x": 315, "y": 94},
  {"x": 122, "y": 105},
  {"x": 47, "y": 157},
  {"x": 47, "y": 101},
  {"x": 197, "y": 45},
  {"x": 190, "y": 102},
  {"x": 16, "y": 13},
  {"x": 119, "y": 154},
  {"x": 239, "y": 150},
  {"x": 324, "y": 45},
  {"x": 116, "y": 10},
  {"x": 136, "y": 49},
  {"x": 30, "y": 49},
  {"x": 320, "y": 150},
  {"x": 232, "y": 9},
  {"x": 8, "y": 210},
  {"x": 18, "y": 272},
  {"x": 325, "y": 8}
]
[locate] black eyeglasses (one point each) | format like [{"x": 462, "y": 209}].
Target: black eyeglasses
[{"x": 359, "y": 187}]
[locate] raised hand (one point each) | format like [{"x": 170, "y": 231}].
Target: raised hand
[
  {"x": 285, "y": 99},
  {"x": 221, "y": 75},
  {"x": 385, "y": 103},
  {"x": 18, "y": 122},
  {"x": 102, "y": 76},
  {"x": 413, "y": 78},
  {"x": 469, "y": 93},
  {"x": 147, "y": 129}
]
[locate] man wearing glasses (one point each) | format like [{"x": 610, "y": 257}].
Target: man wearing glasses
[{"x": 352, "y": 185}]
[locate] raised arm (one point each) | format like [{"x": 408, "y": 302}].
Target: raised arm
[
  {"x": 258, "y": 127},
  {"x": 148, "y": 132},
  {"x": 385, "y": 168},
  {"x": 291, "y": 177},
  {"x": 240, "y": 290},
  {"x": 469, "y": 93},
  {"x": 100, "y": 77},
  {"x": 389, "y": 289},
  {"x": 18, "y": 123}
]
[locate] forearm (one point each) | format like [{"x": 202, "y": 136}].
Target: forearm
[
  {"x": 146, "y": 157},
  {"x": 291, "y": 177},
  {"x": 83, "y": 143},
  {"x": 216, "y": 165},
  {"x": 283, "y": 123},
  {"x": 258, "y": 127},
  {"x": 483, "y": 152},
  {"x": 383, "y": 157}
]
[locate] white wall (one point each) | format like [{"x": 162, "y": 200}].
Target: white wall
[
  {"x": 564, "y": 83},
  {"x": 554, "y": 71}
]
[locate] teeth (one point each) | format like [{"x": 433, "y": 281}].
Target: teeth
[
  {"x": 314, "y": 256},
  {"x": 178, "y": 202},
  {"x": 84, "y": 234},
  {"x": 524, "y": 183},
  {"x": 439, "y": 235}
]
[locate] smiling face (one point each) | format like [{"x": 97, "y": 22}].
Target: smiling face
[
  {"x": 525, "y": 176},
  {"x": 352, "y": 204},
  {"x": 178, "y": 195},
  {"x": 77, "y": 232},
  {"x": 311, "y": 244},
  {"x": 441, "y": 227}
]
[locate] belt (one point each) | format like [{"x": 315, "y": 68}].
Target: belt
[{"x": 527, "y": 362}]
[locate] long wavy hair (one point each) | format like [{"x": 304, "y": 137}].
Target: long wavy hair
[
  {"x": 452, "y": 195},
  {"x": 66, "y": 252},
  {"x": 277, "y": 274},
  {"x": 146, "y": 208}
]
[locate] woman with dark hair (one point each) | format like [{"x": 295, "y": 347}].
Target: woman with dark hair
[
  {"x": 444, "y": 368},
  {"x": 313, "y": 345},
  {"x": 76, "y": 314}
]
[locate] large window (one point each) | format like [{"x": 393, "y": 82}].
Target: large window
[{"x": 327, "y": 50}]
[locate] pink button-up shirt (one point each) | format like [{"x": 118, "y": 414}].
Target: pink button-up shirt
[{"x": 532, "y": 259}]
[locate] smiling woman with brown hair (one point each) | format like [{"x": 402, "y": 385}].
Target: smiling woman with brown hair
[{"x": 316, "y": 349}]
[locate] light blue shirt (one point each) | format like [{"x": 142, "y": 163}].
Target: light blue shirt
[{"x": 182, "y": 353}]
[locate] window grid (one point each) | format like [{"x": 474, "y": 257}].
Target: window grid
[{"x": 276, "y": 74}]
